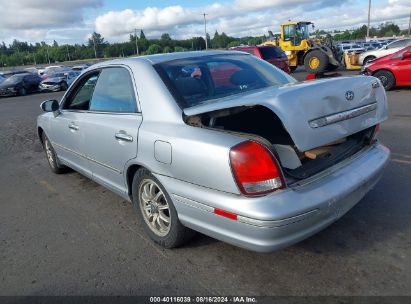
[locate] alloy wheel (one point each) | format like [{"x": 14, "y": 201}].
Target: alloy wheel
[{"x": 154, "y": 207}]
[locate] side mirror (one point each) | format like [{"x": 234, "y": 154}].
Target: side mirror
[
  {"x": 50, "y": 105},
  {"x": 406, "y": 55}
]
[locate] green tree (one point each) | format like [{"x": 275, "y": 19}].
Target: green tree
[
  {"x": 179, "y": 49},
  {"x": 167, "y": 49},
  {"x": 153, "y": 49}
]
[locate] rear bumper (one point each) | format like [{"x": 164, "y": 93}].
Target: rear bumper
[{"x": 285, "y": 217}]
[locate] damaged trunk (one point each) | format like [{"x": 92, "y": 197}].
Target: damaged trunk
[
  {"x": 260, "y": 124},
  {"x": 308, "y": 126}
]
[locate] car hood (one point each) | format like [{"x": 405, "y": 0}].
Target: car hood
[
  {"x": 8, "y": 85},
  {"x": 315, "y": 113},
  {"x": 53, "y": 79}
]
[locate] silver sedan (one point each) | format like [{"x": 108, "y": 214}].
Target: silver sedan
[{"x": 221, "y": 143}]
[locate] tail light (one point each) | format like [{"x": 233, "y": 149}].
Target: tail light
[
  {"x": 255, "y": 169},
  {"x": 376, "y": 131}
]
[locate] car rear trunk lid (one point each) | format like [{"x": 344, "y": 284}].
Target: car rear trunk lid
[{"x": 315, "y": 113}]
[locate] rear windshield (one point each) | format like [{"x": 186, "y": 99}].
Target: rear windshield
[
  {"x": 194, "y": 81},
  {"x": 271, "y": 53}
]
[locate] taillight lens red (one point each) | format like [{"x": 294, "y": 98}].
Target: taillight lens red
[
  {"x": 376, "y": 131},
  {"x": 255, "y": 169}
]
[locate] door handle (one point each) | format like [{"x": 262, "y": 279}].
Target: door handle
[
  {"x": 72, "y": 126},
  {"x": 123, "y": 136}
]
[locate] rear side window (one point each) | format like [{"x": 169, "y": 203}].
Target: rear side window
[
  {"x": 271, "y": 53},
  {"x": 114, "y": 92}
]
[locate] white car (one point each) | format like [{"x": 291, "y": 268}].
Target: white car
[
  {"x": 79, "y": 68},
  {"x": 389, "y": 49}
]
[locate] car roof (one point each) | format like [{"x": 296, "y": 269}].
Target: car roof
[{"x": 160, "y": 58}]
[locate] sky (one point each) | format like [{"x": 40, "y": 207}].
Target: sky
[{"x": 73, "y": 21}]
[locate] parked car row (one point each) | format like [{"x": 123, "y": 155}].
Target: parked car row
[
  {"x": 393, "y": 70},
  {"x": 22, "y": 82},
  {"x": 388, "y": 49},
  {"x": 374, "y": 49}
]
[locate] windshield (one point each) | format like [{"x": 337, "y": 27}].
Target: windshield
[
  {"x": 194, "y": 81},
  {"x": 13, "y": 79},
  {"x": 57, "y": 75},
  {"x": 271, "y": 52}
]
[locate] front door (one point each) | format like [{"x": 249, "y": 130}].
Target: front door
[
  {"x": 69, "y": 133},
  {"x": 403, "y": 67}
]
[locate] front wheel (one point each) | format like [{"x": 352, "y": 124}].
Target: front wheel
[
  {"x": 293, "y": 68},
  {"x": 316, "y": 62},
  {"x": 367, "y": 59},
  {"x": 156, "y": 211},
  {"x": 22, "y": 91},
  {"x": 63, "y": 86},
  {"x": 54, "y": 163},
  {"x": 387, "y": 79}
]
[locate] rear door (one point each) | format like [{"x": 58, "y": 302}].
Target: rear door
[{"x": 111, "y": 127}]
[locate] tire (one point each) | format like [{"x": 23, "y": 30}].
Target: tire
[
  {"x": 52, "y": 159},
  {"x": 63, "y": 86},
  {"x": 22, "y": 91},
  {"x": 332, "y": 67},
  {"x": 387, "y": 79},
  {"x": 293, "y": 68},
  {"x": 316, "y": 62},
  {"x": 154, "y": 208},
  {"x": 366, "y": 59}
]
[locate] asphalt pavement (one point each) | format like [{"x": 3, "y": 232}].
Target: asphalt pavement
[{"x": 66, "y": 235}]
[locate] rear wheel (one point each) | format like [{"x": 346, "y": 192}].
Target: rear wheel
[
  {"x": 316, "y": 62},
  {"x": 366, "y": 59},
  {"x": 387, "y": 79},
  {"x": 156, "y": 211}
]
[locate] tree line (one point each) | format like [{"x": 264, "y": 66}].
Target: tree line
[
  {"x": 23, "y": 53},
  {"x": 383, "y": 30}
]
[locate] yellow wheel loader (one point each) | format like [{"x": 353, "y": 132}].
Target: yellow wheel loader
[{"x": 315, "y": 56}]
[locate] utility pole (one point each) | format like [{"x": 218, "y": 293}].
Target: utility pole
[
  {"x": 409, "y": 25},
  {"x": 135, "y": 35},
  {"x": 205, "y": 30},
  {"x": 94, "y": 42},
  {"x": 68, "y": 53},
  {"x": 34, "y": 59},
  {"x": 47, "y": 51},
  {"x": 369, "y": 19}
]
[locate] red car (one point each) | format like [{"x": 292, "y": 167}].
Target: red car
[
  {"x": 269, "y": 53},
  {"x": 393, "y": 70}
]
